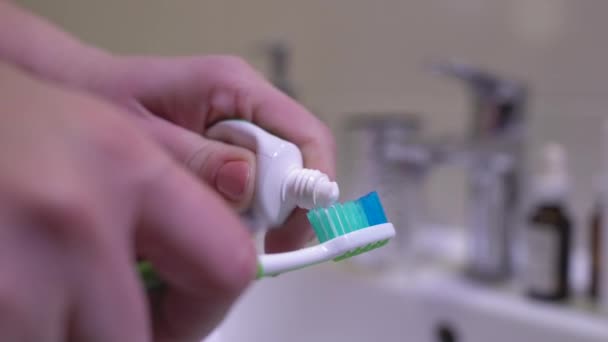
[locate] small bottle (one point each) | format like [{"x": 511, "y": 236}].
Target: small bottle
[
  {"x": 598, "y": 289},
  {"x": 548, "y": 232},
  {"x": 595, "y": 250}
]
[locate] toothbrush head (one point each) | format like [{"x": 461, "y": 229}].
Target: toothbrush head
[{"x": 362, "y": 220}]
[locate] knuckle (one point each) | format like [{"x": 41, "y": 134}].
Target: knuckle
[
  {"x": 235, "y": 276},
  {"x": 233, "y": 62},
  {"x": 321, "y": 137},
  {"x": 327, "y": 137},
  {"x": 116, "y": 144},
  {"x": 128, "y": 154},
  {"x": 110, "y": 135},
  {"x": 227, "y": 69},
  {"x": 200, "y": 162},
  {"x": 71, "y": 219},
  {"x": 63, "y": 208}
]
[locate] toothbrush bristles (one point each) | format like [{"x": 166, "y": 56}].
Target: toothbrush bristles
[{"x": 342, "y": 219}]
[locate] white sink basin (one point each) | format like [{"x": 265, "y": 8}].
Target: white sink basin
[
  {"x": 320, "y": 304},
  {"x": 327, "y": 303},
  {"x": 477, "y": 313}
]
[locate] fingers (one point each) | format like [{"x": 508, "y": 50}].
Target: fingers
[
  {"x": 26, "y": 315},
  {"x": 32, "y": 297},
  {"x": 65, "y": 288},
  {"x": 109, "y": 302},
  {"x": 252, "y": 98},
  {"x": 206, "y": 90},
  {"x": 281, "y": 115},
  {"x": 228, "y": 169},
  {"x": 235, "y": 90},
  {"x": 200, "y": 249}
]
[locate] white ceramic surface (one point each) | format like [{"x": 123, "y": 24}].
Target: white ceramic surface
[{"x": 331, "y": 303}]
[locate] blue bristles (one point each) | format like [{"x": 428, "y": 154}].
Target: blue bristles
[{"x": 373, "y": 209}]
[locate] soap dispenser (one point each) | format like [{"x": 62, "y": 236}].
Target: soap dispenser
[{"x": 548, "y": 229}]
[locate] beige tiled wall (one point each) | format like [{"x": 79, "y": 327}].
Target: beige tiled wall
[{"x": 354, "y": 56}]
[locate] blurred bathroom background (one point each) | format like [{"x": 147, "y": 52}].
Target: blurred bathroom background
[{"x": 351, "y": 59}]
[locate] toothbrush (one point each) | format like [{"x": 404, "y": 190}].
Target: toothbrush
[{"x": 343, "y": 230}]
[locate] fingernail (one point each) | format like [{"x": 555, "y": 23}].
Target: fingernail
[{"x": 232, "y": 179}]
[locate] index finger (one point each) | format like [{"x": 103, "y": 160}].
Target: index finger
[
  {"x": 246, "y": 95},
  {"x": 281, "y": 115}
]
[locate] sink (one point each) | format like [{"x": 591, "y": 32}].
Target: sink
[
  {"x": 333, "y": 302},
  {"x": 321, "y": 304},
  {"x": 478, "y": 313}
]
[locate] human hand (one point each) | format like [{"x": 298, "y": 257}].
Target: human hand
[
  {"x": 83, "y": 192},
  {"x": 178, "y": 99}
]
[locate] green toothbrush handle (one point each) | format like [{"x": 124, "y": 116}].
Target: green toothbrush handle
[{"x": 152, "y": 281}]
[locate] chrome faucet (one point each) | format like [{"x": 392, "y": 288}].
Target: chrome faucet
[{"x": 494, "y": 151}]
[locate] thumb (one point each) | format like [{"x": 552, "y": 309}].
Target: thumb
[{"x": 228, "y": 169}]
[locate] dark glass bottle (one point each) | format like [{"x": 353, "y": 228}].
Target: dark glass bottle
[
  {"x": 549, "y": 234},
  {"x": 595, "y": 236}
]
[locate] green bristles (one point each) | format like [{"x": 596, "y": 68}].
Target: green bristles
[
  {"x": 341, "y": 219},
  {"x": 337, "y": 220}
]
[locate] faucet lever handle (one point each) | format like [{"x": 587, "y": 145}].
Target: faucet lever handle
[{"x": 498, "y": 102}]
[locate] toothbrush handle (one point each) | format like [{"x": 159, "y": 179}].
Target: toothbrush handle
[
  {"x": 275, "y": 264},
  {"x": 268, "y": 264},
  {"x": 151, "y": 280}
]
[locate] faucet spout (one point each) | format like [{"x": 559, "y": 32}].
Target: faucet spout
[{"x": 496, "y": 166}]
